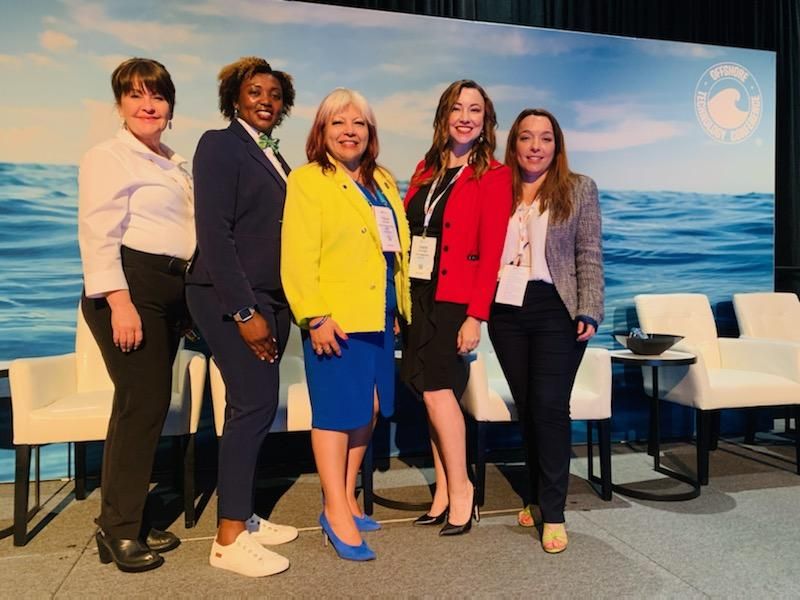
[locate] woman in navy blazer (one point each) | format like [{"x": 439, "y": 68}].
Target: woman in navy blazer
[
  {"x": 459, "y": 198},
  {"x": 235, "y": 296}
]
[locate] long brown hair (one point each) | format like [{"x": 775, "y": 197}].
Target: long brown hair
[
  {"x": 482, "y": 150},
  {"x": 555, "y": 194},
  {"x": 333, "y": 104}
]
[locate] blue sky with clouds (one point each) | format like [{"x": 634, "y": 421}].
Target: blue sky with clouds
[{"x": 626, "y": 104}]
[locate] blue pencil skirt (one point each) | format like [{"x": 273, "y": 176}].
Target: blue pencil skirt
[{"x": 341, "y": 387}]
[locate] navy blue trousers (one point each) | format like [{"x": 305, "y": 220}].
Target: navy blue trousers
[
  {"x": 251, "y": 392},
  {"x": 537, "y": 350}
]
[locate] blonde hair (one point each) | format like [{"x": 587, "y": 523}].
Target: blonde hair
[{"x": 333, "y": 104}]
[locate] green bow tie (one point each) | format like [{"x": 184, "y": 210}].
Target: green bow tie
[{"x": 264, "y": 141}]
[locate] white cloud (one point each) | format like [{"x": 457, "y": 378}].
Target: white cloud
[
  {"x": 502, "y": 40},
  {"x": 526, "y": 95},
  {"x": 408, "y": 114},
  {"x": 590, "y": 113},
  {"x": 9, "y": 60},
  {"x": 108, "y": 62},
  {"x": 184, "y": 67},
  {"x": 680, "y": 49},
  {"x": 55, "y": 41},
  {"x": 394, "y": 68},
  {"x": 147, "y": 35},
  {"x": 628, "y": 133},
  {"x": 26, "y": 60},
  {"x": 41, "y": 60},
  {"x": 299, "y": 13},
  {"x": 609, "y": 124}
]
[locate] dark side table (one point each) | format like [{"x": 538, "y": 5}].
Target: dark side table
[{"x": 669, "y": 358}]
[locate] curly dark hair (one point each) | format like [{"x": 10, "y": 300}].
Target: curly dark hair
[{"x": 233, "y": 75}]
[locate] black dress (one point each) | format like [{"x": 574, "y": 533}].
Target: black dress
[{"x": 430, "y": 355}]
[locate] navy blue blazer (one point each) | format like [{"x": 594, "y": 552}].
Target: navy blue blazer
[{"x": 239, "y": 198}]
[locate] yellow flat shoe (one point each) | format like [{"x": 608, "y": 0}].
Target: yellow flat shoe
[
  {"x": 554, "y": 538},
  {"x": 530, "y": 516}
]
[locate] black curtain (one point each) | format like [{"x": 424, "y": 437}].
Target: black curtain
[{"x": 760, "y": 24}]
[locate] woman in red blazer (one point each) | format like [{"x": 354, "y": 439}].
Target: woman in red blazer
[{"x": 457, "y": 206}]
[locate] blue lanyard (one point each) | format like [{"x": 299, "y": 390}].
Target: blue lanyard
[{"x": 373, "y": 199}]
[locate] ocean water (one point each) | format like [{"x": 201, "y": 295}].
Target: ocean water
[{"x": 653, "y": 242}]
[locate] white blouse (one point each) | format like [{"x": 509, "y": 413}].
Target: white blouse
[
  {"x": 128, "y": 194},
  {"x": 525, "y": 241}
]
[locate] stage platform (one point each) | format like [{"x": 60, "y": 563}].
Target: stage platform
[{"x": 740, "y": 538}]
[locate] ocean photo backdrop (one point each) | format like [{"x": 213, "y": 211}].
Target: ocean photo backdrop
[
  {"x": 679, "y": 137},
  {"x": 715, "y": 244}
]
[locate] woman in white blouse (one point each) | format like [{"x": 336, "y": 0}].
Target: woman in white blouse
[
  {"x": 136, "y": 234},
  {"x": 549, "y": 303}
]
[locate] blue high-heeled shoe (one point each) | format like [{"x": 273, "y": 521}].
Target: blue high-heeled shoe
[
  {"x": 366, "y": 523},
  {"x": 345, "y": 551}
]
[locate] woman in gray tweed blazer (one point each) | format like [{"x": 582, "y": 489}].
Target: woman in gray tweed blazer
[{"x": 549, "y": 303}]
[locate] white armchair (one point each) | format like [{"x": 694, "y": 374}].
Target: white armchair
[
  {"x": 294, "y": 402},
  {"x": 68, "y": 398},
  {"x": 729, "y": 373},
  {"x": 487, "y": 400},
  {"x": 768, "y": 315}
]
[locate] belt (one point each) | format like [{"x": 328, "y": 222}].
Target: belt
[{"x": 172, "y": 265}]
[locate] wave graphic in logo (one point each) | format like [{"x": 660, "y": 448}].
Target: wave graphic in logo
[{"x": 727, "y": 101}]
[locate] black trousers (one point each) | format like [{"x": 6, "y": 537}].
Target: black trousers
[
  {"x": 142, "y": 389},
  {"x": 251, "y": 387},
  {"x": 537, "y": 350}
]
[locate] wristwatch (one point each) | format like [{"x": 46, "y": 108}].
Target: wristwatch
[{"x": 244, "y": 315}]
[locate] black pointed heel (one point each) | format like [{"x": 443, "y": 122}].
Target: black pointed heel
[
  {"x": 428, "y": 519},
  {"x": 450, "y": 529}
]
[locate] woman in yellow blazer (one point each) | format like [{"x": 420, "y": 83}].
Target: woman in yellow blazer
[{"x": 344, "y": 267}]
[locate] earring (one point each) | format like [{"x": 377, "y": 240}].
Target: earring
[
  {"x": 169, "y": 124},
  {"x": 124, "y": 124}
]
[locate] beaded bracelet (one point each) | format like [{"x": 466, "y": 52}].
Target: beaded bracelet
[{"x": 319, "y": 323}]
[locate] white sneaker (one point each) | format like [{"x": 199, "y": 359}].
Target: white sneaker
[
  {"x": 268, "y": 533},
  {"x": 247, "y": 557}
]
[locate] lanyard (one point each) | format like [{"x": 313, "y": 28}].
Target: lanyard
[
  {"x": 523, "y": 243},
  {"x": 431, "y": 205},
  {"x": 373, "y": 199}
]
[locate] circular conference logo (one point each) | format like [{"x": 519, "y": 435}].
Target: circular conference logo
[{"x": 727, "y": 101}]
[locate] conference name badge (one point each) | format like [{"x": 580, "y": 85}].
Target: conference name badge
[
  {"x": 513, "y": 282},
  {"x": 423, "y": 251},
  {"x": 390, "y": 241}
]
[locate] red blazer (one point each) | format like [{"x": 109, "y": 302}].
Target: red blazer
[{"x": 474, "y": 230}]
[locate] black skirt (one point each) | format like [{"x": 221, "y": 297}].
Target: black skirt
[{"x": 430, "y": 356}]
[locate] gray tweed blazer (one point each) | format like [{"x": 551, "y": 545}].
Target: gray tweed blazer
[{"x": 574, "y": 253}]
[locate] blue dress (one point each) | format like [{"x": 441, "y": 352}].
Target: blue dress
[{"x": 341, "y": 387}]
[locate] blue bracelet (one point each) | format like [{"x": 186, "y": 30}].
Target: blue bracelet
[{"x": 319, "y": 323}]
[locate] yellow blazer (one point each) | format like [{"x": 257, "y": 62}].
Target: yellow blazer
[{"x": 331, "y": 257}]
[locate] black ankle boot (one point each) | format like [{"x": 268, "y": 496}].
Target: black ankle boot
[
  {"x": 131, "y": 556},
  {"x": 161, "y": 541}
]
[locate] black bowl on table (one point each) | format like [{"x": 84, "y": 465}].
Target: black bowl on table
[{"x": 655, "y": 343}]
